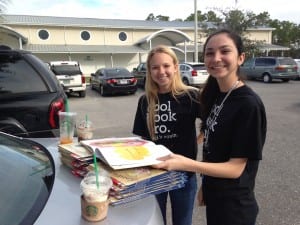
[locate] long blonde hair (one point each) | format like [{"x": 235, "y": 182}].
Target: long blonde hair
[{"x": 151, "y": 88}]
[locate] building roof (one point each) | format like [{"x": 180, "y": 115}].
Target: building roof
[
  {"x": 104, "y": 49},
  {"x": 94, "y": 49},
  {"x": 94, "y": 22},
  {"x": 270, "y": 47}
]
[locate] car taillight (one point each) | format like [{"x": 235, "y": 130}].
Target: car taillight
[
  {"x": 194, "y": 73},
  {"x": 82, "y": 79},
  {"x": 280, "y": 68},
  {"x": 112, "y": 81},
  {"x": 133, "y": 80},
  {"x": 56, "y": 106}
]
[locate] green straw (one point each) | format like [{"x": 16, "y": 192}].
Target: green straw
[
  {"x": 68, "y": 121},
  {"x": 67, "y": 106},
  {"x": 86, "y": 120},
  {"x": 96, "y": 169}
]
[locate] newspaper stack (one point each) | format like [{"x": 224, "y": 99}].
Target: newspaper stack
[
  {"x": 75, "y": 157},
  {"x": 136, "y": 183}
]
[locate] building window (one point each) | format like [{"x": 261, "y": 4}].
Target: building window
[
  {"x": 43, "y": 34},
  {"x": 85, "y": 35},
  {"x": 122, "y": 36}
]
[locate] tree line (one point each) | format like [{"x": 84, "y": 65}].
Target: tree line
[{"x": 285, "y": 34}]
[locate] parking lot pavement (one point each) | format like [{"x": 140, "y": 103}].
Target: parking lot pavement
[{"x": 278, "y": 179}]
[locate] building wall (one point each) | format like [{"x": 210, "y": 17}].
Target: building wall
[
  {"x": 260, "y": 35},
  {"x": 71, "y": 35}
]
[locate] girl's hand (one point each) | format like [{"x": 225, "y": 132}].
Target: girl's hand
[{"x": 172, "y": 162}]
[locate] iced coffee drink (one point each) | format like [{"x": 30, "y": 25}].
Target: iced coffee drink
[
  {"x": 85, "y": 130},
  {"x": 94, "y": 200}
]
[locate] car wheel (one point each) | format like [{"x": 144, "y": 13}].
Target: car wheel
[
  {"x": 185, "y": 81},
  {"x": 82, "y": 94},
  {"x": 267, "y": 78}
]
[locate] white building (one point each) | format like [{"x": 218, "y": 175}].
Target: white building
[{"x": 99, "y": 43}]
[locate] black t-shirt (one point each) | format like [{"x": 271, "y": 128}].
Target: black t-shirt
[
  {"x": 174, "y": 124},
  {"x": 238, "y": 131}
]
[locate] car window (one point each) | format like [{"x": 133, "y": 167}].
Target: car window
[
  {"x": 66, "y": 69},
  {"x": 270, "y": 61},
  {"x": 248, "y": 62},
  {"x": 17, "y": 76},
  {"x": 286, "y": 61},
  {"x": 117, "y": 72},
  {"x": 199, "y": 67},
  {"x": 27, "y": 181},
  {"x": 265, "y": 62},
  {"x": 182, "y": 67},
  {"x": 259, "y": 62},
  {"x": 143, "y": 67}
]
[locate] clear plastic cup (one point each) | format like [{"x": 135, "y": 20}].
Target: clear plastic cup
[
  {"x": 85, "y": 130},
  {"x": 91, "y": 191},
  {"x": 94, "y": 200},
  {"x": 67, "y": 123}
]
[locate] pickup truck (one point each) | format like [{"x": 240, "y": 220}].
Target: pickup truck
[{"x": 139, "y": 73}]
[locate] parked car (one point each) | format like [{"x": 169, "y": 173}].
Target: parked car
[
  {"x": 30, "y": 95},
  {"x": 193, "y": 73},
  {"x": 27, "y": 181},
  {"x": 269, "y": 68},
  {"x": 298, "y": 68},
  {"x": 70, "y": 76},
  {"x": 113, "y": 80},
  {"x": 140, "y": 74}
]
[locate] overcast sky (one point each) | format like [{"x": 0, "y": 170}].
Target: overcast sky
[{"x": 140, "y": 9}]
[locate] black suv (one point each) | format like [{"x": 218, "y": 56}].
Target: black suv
[
  {"x": 139, "y": 73},
  {"x": 30, "y": 95}
]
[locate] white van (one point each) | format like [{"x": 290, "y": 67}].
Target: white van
[{"x": 70, "y": 76}]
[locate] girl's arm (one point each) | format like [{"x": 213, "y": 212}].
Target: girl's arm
[{"x": 230, "y": 169}]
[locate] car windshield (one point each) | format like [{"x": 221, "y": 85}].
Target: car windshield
[
  {"x": 117, "y": 73},
  {"x": 199, "y": 67},
  {"x": 27, "y": 177},
  {"x": 66, "y": 69}
]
